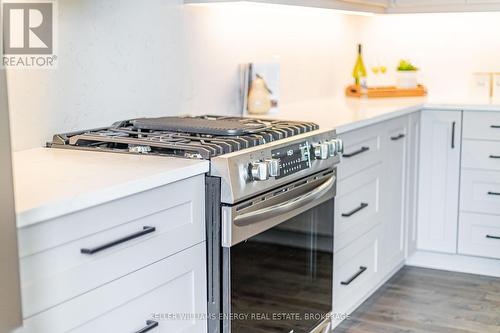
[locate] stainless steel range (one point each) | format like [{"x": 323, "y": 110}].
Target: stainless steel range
[{"x": 270, "y": 209}]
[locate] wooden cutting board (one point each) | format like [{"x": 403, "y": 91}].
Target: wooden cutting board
[{"x": 385, "y": 92}]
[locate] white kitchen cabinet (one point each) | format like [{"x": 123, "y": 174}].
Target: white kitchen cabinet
[
  {"x": 170, "y": 287},
  {"x": 393, "y": 194},
  {"x": 370, "y": 213},
  {"x": 479, "y": 226},
  {"x": 357, "y": 207},
  {"x": 356, "y": 272},
  {"x": 362, "y": 150},
  {"x": 411, "y": 193},
  {"x": 158, "y": 224},
  {"x": 439, "y": 179},
  {"x": 482, "y": 125},
  {"x": 480, "y": 191},
  {"x": 479, "y": 235}
]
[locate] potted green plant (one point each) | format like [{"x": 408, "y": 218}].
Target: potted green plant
[{"x": 406, "y": 75}]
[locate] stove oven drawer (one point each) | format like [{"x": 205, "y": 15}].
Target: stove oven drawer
[
  {"x": 480, "y": 191},
  {"x": 481, "y": 125},
  {"x": 68, "y": 256},
  {"x": 479, "y": 235},
  {"x": 357, "y": 207},
  {"x": 133, "y": 303},
  {"x": 355, "y": 272},
  {"x": 362, "y": 148}
]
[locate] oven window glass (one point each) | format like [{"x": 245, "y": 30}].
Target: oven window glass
[{"x": 281, "y": 280}]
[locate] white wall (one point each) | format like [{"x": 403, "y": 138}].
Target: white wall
[
  {"x": 448, "y": 48},
  {"x": 128, "y": 58},
  {"x": 120, "y": 59}
]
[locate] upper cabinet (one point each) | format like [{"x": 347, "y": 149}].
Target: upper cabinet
[
  {"x": 384, "y": 6},
  {"x": 371, "y": 6},
  {"x": 432, "y": 6}
]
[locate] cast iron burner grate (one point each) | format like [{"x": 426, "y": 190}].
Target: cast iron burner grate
[{"x": 200, "y": 137}]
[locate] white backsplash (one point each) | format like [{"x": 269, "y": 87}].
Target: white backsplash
[
  {"x": 448, "y": 48},
  {"x": 123, "y": 59}
]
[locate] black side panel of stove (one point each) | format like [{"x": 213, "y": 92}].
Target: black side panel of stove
[{"x": 214, "y": 255}]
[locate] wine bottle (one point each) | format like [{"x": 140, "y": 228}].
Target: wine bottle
[{"x": 359, "y": 72}]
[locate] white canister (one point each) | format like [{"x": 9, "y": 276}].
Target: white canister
[{"x": 406, "y": 79}]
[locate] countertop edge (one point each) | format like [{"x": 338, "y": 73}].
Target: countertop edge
[
  {"x": 91, "y": 199},
  {"x": 399, "y": 112},
  {"x": 378, "y": 119}
]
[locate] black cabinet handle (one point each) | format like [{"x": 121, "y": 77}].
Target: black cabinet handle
[
  {"x": 453, "y": 126},
  {"x": 357, "y": 152},
  {"x": 492, "y": 237},
  {"x": 145, "y": 231},
  {"x": 399, "y": 137},
  {"x": 494, "y": 156},
  {"x": 150, "y": 324},
  {"x": 493, "y": 193},
  {"x": 355, "y": 210},
  {"x": 362, "y": 269},
  {"x": 495, "y": 126}
]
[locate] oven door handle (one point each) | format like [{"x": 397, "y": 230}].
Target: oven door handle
[{"x": 285, "y": 207}]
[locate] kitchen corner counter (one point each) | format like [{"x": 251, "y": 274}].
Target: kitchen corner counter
[
  {"x": 54, "y": 182},
  {"x": 347, "y": 113}
]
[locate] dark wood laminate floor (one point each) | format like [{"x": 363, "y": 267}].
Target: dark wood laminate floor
[{"x": 418, "y": 300}]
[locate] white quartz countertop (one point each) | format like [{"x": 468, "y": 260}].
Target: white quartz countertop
[
  {"x": 54, "y": 182},
  {"x": 346, "y": 114}
]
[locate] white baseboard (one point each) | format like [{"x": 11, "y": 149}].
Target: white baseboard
[{"x": 455, "y": 263}]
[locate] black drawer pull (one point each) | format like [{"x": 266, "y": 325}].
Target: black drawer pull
[
  {"x": 492, "y": 237},
  {"x": 495, "y": 126},
  {"x": 493, "y": 193},
  {"x": 145, "y": 231},
  {"x": 357, "y": 152},
  {"x": 453, "y": 126},
  {"x": 150, "y": 324},
  {"x": 399, "y": 137},
  {"x": 362, "y": 269},
  {"x": 355, "y": 210},
  {"x": 494, "y": 156}
]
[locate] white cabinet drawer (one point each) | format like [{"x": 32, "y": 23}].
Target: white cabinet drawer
[
  {"x": 481, "y": 155},
  {"x": 355, "y": 272},
  {"x": 480, "y": 191},
  {"x": 53, "y": 268},
  {"x": 479, "y": 235},
  {"x": 357, "y": 207},
  {"x": 361, "y": 150},
  {"x": 481, "y": 125},
  {"x": 175, "y": 285}
]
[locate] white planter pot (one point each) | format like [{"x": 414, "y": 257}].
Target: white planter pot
[{"x": 406, "y": 80}]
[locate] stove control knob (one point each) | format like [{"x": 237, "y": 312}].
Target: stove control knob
[
  {"x": 321, "y": 151},
  {"x": 259, "y": 170},
  {"x": 273, "y": 164},
  {"x": 335, "y": 147}
]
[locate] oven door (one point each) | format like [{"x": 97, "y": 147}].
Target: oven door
[{"x": 278, "y": 259}]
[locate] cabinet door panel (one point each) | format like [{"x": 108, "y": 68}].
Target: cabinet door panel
[
  {"x": 439, "y": 176},
  {"x": 393, "y": 197}
]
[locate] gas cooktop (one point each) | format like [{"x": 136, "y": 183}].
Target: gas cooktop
[{"x": 202, "y": 137}]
